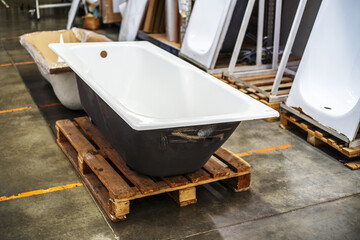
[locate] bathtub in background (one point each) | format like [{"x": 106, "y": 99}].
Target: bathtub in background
[
  {"x": 57, "y": 73},
  {"x": 163, "y": 115},
  {"x": 207, "y": 33},
  {"x": 327, "y": 83}
]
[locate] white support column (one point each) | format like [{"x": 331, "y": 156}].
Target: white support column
[
  {"x": 288, "y": 46},
  {"x": 260, "y": 33},
  {"x": 5, "y": 4},
  {"x": 277, "y": 27},
  {"x": 241, "y": 35},
  {"x": 37, "y": 9}
]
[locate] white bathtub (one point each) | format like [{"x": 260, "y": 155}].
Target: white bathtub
[
  {"x": 207, "y": 26},
  {"x": 163, "y": 115},
  {"x": 327, "y": 83}
]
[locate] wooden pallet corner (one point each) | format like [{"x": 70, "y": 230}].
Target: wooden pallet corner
[
  {"x": 355, "y": 165},
  {"x": 316, "y": 136},
  {"x": 115, "y": 185}
]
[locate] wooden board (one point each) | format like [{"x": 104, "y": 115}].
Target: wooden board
[
  {"x": 353, "y": 165},
  {"x": 150, "y": 16},
  {"x": 91, "y": 154},
  {"x": 107, "y": 14},
  {"x": 316, "y": 136}
]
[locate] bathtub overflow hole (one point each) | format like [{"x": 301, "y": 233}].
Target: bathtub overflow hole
[
  {"x": 103, "y": 54},
  {"x": 329, "y": 108}
]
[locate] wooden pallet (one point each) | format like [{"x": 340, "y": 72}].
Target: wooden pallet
[
  {"x": 355, "y": 165},
  {"x": 114, "y": 184},
  {"x": 265, "y": 83},
  {"x": 316, "y": 136}
]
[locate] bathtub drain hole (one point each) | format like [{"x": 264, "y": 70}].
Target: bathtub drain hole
[{"x": 103, "y": 54}]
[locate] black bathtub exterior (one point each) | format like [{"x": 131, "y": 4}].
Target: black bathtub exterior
[{"x": 160, "y": 152}]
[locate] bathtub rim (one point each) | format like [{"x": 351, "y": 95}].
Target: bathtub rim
[{"x": 141, "y": 122}]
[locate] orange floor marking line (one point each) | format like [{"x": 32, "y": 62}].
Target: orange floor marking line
[
  {"x": 9, "y": 38},
  {"x": 23, "y": 63},
  {"x": 17, "y": 64},
  {"x": 41, "y": 191},
  {"x": 264, "y": 150},
  {"x": 50, "y": 105},
  {"x": 5, "y": 65},
  {"x": 14, "y": 110}
]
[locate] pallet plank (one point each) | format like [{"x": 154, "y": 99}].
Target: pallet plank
[
  {"x": 74, "y": 136},
  {"x": 353, "y": 165},
  {"x": 282, "y": 85},
  {"x": 236, "y": 163},
  {"x": 70, "y": 152},
  {"x": 215, "y": 169},
  {"x": 108, "y": 176},
  {"x": 257, "y": 77},
  {"x": 270, "y": 81},
  {"x": 175, "y": 181},
  {"x": 351, "y": 152},
  {"x": 198, "y": 175},
  {"x": 254, "y": 96},
  {"x": 142, "y": 182},
  {"x": 98, "y": 189},
  {"x": 283, "y": 92}
]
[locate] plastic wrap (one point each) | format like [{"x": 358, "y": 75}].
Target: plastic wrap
[
  {"x": 37, "y": 45},
  {"x": 58, "y": 73}
]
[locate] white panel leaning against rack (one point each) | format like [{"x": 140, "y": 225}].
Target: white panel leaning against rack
[
  {"x": 206, "y": 31},
  {"x": 275, "y": 71},
  {"x": 327, "y": 84}
]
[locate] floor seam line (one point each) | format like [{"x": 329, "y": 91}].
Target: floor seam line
[{"x": 273, "y": 215}]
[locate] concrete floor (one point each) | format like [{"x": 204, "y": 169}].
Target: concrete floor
[{"x": 299, "y": 192}]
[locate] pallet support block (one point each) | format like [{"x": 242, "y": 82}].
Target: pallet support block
[
  {"x": 184, "y": 197},
  {"x": 239, "y": 184},
  {"x": 313, "y": 140},
  {"x": 119, "y": 209}
]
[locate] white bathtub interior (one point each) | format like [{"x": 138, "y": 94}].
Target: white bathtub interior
[
  {"x": 206, "y": 30},
  {"x": 327, "y": 83},
  {"x": 150, "y": 88}
]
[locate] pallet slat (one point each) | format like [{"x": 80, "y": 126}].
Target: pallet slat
[
  {"x": 142, "y": 182},
  {"x": 215, "y": 169},
  {"x": 175, "y": 181},
  {"x": 282, "y": 85},
  {"x": 76, "y": 139},
  {"x": 236, "y": 163},
  {"x": 353, "y": 165},
  {"x": 108, "y": 176},
  {"x": 197, "y": 176}
]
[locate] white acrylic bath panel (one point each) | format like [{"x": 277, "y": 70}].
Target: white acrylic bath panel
[
  {"x": 205, "y": 28},
  {"x": 150, "y": 88},
  {"x": 327, "y": 83}
]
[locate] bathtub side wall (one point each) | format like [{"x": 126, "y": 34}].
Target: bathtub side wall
[{"x": 162, "y": 152}]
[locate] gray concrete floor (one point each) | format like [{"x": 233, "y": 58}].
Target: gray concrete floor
[{"x": 299, "y": 192}]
